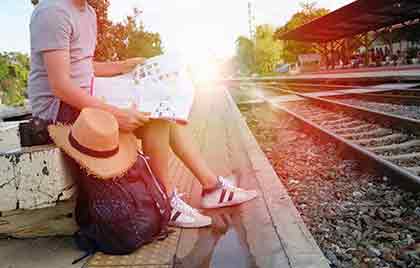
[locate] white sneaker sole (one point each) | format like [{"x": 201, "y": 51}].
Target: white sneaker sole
[
  {"x": 189, "y": 225},
  {"x": 230, "y": 203}
]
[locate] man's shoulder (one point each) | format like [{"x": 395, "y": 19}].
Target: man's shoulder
[
  {"x": 91, "y": 10},
  {"x": 52, "y": 6}
]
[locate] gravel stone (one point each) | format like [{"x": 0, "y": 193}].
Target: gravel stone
[
  {"x": 374, "y": 252},
  {"x": 358, "y": 218},
  {"x": 357, "y": 194}
]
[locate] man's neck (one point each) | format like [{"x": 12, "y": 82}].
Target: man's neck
[{"x": 80, "y": 3}]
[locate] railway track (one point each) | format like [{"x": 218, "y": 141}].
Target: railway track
[{"x": 389, "y": 141}]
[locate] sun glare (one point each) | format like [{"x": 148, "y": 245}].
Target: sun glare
[
  {"x": 197, "y": 46},
  {"x": 205, "y": 71}
]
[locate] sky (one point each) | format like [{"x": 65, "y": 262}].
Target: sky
[{"x": 199, "y": 28}]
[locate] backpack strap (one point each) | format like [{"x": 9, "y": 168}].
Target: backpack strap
[
  {"x": 84, "y": 243},
  {"x": 158, "y": 194}
]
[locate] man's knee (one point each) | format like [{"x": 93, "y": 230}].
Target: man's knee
[
  {"x": 152, "y": 128},
  {"x": 159, "y": 125}
]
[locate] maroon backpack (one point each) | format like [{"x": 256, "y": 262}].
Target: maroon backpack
[{"x": 120, "y": 215}]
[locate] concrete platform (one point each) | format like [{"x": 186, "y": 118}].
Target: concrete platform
[
  {"x": 7, "y": 112},
  {"x": 384, "y": 75},
  {"x": 267, "y": 232},
  {"x": 9, "y": 136},
  {"x": 33, "y": 178},
  {"x": 371, "y": 69},
  {"x": 406, "y": 75}
]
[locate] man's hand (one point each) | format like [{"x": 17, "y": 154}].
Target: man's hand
[
  {"x": 58, "y": 69},
  {"x": 106, "y": 69},
  {"x": 130, "y": 64},
  {"x": 131, "y": 119}
]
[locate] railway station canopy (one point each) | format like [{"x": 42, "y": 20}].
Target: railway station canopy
[{"x": 358, "y": 17}]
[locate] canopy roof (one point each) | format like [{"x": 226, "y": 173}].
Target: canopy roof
[{"x": 360, "y": 16}]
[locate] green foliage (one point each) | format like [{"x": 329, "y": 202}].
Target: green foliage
[
  {"x": 140, "y": 42},
  {"x": 119, "y": 41},
  {"x": 14, "y": 72},
  {"x": 308, "y": 13},
  {"x": 268, "y": 50},
  {"x": 245, "y": 55},
  {"x": 261, "y": 58}
]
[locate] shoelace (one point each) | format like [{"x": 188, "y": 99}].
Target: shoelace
[
  {"x": 181, "y": 205},
  {"x": 227, "y": 184}
]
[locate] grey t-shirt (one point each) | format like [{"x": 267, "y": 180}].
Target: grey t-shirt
[{"x": 60, "y": 25}]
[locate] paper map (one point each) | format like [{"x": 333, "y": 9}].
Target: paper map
[{"x": 161, "y": 86}]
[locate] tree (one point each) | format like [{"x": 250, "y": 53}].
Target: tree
[
  {"x": 14, "y": 72},
  {"x": 245, "y": 55},
  {"x": 268, "y": 50},
  {"x": 261, "y": 57},
  {"x": 108, "y": 41},
  {"x": 140, "y": 42},
  {"x": 308, "y": 13},
  {"x": 118, "y": 41}
]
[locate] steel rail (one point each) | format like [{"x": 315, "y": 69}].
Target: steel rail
[
  {"x": 379, "y": 97},
  {"x": 357, "y": 148},
  {"x": 397, "y": 122},
  {"x": 393, "y": 98},
  {"x": 410, "y": 123},
  {"x": 339, "y": 86}
]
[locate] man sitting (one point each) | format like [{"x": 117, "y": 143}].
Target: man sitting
[{"x": 63, "y": 41}]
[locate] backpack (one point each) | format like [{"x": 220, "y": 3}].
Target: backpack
[
  {"x": 120, "y": 215},
  {"x": 34, "y": 132}
]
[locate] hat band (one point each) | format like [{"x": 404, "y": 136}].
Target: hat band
[{"x": 90, "y": 152}]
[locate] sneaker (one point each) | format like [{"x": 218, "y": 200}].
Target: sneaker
[
  {"x": 226, "y": 195},
  {"x": 184, "y": 216}
]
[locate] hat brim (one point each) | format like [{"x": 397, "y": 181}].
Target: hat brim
[{"x": 102, "y": 168}]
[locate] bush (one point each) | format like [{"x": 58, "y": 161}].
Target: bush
[{"x": 14, "y": 72}]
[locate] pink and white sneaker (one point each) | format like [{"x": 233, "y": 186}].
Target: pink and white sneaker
[
  {"x": 184, "y": 216},
  {"x": 226, "y": 194}
]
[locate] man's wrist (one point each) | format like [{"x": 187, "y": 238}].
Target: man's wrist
[{"x": 124, "y": 67}]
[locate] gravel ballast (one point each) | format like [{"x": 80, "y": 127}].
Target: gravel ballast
[{"x": 358, "y": 218}]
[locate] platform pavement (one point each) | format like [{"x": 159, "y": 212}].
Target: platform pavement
[{"x": 388, "y": 75}]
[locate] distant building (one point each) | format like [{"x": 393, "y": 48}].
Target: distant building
[{"x": 309, "y": 62}]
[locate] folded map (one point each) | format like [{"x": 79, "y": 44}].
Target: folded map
[{"x": 161, "y": 86}]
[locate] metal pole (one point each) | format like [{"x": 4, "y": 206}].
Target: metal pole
[{"x": 252, "y": 29}]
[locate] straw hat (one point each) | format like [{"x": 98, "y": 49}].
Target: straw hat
[{"x": 95, "y": 142}]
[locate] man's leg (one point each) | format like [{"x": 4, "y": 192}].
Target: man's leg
[
  {"x": 155, "y": 143},
  {"x": 184, "y": 146},
  {"x": 158, "y": 137},
  {"x": 217, "y": 192}
]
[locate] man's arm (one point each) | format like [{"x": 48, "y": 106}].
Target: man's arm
[
  {"x": 58, "y": 67},
  {"x": 106, "y": 69}
]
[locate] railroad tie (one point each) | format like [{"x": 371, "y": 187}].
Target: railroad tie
[{"x": 401, "y": 146}]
